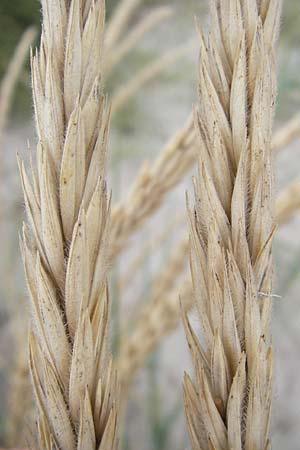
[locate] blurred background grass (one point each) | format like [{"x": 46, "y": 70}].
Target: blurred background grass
[{"x": 155, "y": 420}]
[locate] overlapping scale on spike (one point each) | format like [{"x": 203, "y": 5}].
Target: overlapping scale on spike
[
  {"x": 65, "y": 242},
  {"x": 228, "y": 405}
]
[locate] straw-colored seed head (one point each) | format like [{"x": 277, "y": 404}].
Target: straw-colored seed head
[
  {"x": 228, "y": 405},
  {"x": 65, "y": 243}
]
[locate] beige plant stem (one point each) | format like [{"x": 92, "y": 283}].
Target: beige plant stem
[
  {"x": 119, "y": 21},
  {"x": 147, "y": 74},
  {"x": 150, "y": 21},
  {"x": 228, "y": 405},
  {"x": 11, "y": 76},
  {"x": 65, "y": 243}
]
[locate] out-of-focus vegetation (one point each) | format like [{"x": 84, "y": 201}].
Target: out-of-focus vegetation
[
  {"x": 15, "y": 17},
  {"x": 290, "y": 28}
]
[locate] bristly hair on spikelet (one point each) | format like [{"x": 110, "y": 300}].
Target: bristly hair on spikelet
[
  {"x": 65, "y": 242},
  {"x": 228, "y": 406}
]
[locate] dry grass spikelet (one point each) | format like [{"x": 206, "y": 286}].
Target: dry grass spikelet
[
  {"x": 228, "y": 405},
  {"x": 65, "y": 242}
]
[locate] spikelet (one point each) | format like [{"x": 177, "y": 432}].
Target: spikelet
[
  {"x": 228, "y": 405},
  {"x": 65, "y": 242}
]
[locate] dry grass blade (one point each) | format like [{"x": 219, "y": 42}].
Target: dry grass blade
[
  {"x": 65, "y": 243},
  {"x": 228, "y": 405}
]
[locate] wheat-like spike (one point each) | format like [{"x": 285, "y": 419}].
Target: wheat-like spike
[
  {"x": 232, "y": 226},
  {"x": 65, "y": 243}
]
